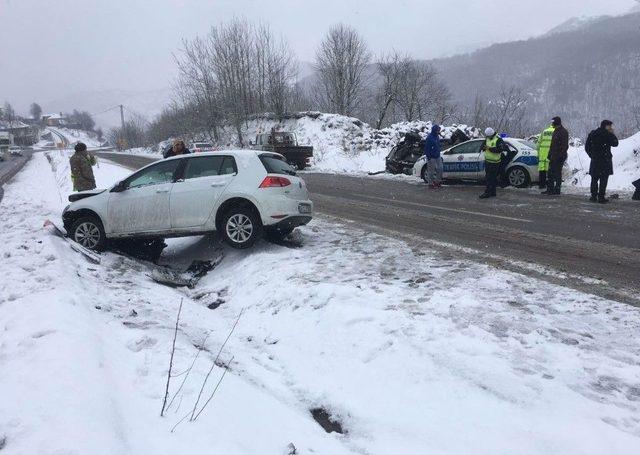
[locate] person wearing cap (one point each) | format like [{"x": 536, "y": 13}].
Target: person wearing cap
[
  {"x": 493, "y": 147},
  {"x": 598, "y": 147},
  {"x": 81, "y": 169},
  {"x": 177, "y": 148},
  {"x": 557, "y": 156},
  {"x": 544, "y": 143}
]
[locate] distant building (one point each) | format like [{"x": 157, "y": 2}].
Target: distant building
[
  {"x": 55, "y": 120},
  {"x": 22, "y": 133}
]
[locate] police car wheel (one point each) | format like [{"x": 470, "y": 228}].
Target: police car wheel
[
  {"x": 423, "y": 173},
  {"x": 519, "y": 177}
]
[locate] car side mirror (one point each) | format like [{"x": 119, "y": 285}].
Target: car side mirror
[{"x": 119, "y": 188}]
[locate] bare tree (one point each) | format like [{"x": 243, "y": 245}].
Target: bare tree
[
  {"x": 508, "y": 111},
  {"x": 132, "y": 135},
  {"x": 392, "y": 69},
  {"x": 340, "y": 63},
  {"x": 423, "y": 95},
  {"x": 36, "y": 111}
]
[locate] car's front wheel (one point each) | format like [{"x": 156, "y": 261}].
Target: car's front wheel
[
  {"x": 241, "y": 227},
  {"x": 519, "y": 177},
  {"x": 88, "y": 232}
]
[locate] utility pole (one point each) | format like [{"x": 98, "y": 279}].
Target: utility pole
[{"x": 121, "y": 144}]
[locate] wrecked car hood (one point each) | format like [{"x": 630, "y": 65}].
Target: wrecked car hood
[{"x": 84, "y": 194}]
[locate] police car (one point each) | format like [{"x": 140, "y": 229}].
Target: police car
[{"x": 466, "y": 162}]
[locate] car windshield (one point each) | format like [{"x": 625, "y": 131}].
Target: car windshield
[
  {"x": 275, "y": 164},
  {"x": 526, "y": 143}
]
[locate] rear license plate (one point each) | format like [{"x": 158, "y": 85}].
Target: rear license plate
[{"x": 304, "y": 208}]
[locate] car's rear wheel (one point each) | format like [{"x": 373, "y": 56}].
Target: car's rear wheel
[
  {"x": 518, "y": 177},
  {"x": 88, "y": 232},
  {"x": 241, "y": 227}
]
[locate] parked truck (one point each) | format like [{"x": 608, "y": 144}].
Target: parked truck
[{"x": 285, "y": 144}]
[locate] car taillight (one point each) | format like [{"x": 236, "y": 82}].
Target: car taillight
[{"x": 274, "y": 182}]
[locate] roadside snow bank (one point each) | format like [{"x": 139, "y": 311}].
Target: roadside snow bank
[
  {"x": 75, "y": 136},
  {"x": 626, "y": 165},
  {"x": 340, "y": 143}
]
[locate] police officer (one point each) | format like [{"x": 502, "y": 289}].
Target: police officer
[
  {"x": 493, "y": 147},
  {"x": 544, "y": 144}
]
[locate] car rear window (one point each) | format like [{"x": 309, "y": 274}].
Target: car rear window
[
  {"x": 275, "y": 164},
  {"x": 207, "y": 166}
]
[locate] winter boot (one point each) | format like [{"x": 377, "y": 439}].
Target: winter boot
[
  {"x": 593, "y": 199},
  {"x": 602, "y": 200},
  {"x": 636, "y": 196},
  {"x": 542, "y": 184}
]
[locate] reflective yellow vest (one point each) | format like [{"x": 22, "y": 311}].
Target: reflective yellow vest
[
  {"x": 490, "y": 155},
  {"x": 544, "y": 144}
]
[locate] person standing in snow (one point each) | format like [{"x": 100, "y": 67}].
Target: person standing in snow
[
  {"x": 493, "y": 147},
  {"x": 598, "y": 147},
  {"x": 81, "y": 169},
  {"x": 178, "y": 148},
  {"x": 432, "y": 151},
  {"x": 557, "y": 156},
  {"x": 544, "y": 144}
]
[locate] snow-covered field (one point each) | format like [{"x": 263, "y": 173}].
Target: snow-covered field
[{"x": 412, "y": 352}]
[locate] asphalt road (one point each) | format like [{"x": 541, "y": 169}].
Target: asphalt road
[
  {"x": 564, "y": 240},
  {"x": 11, "y": 167}
]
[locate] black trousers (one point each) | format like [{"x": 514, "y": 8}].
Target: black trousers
[
  {"x": 554, "y": 178},
  {"x": 504, "y": 162},
  {"x": 599, "y": 185},
  {"x": 492, "y": 170}
]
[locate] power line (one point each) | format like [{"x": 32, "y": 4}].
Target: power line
[{"x": 106, "y": 110}]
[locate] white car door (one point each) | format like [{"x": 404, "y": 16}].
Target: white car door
[
  {"x": 143, "y": 204},
  {"x": 463, "y": 161},
  {"x": 194, "y": 196}
]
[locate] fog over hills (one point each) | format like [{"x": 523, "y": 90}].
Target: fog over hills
[{"x": 585, "y": 74}]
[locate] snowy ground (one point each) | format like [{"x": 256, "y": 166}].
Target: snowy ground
[{"x": 412, "y": 352}]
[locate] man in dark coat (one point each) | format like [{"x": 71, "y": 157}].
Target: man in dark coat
[
  {"x": 178, "y": 148},
  {"x": 598, "y": 147},
  {"x": 557, "y": 156},
  {"x": 81, "y": 171},
  {"x": 432, "y": 151}
]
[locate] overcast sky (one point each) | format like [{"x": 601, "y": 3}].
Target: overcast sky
[{"x": 53, "y": 48}]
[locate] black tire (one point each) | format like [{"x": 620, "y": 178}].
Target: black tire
[
  {"x": 241, "y": 227},
  {"x": 423, "y": 173},
  {"x": 88, "y": 232},
  {"x": 518, "y": 177}
]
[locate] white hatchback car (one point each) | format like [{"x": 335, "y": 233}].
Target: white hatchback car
[
  {"x": 466, "y": 162},
  {"x": 239, "y": 193}
]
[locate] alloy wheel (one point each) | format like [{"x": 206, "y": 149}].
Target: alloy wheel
[
  {"x": 517, "y": 177},
  {"x": 87, "y": 234},
  {"x": 239, "y": 228}
]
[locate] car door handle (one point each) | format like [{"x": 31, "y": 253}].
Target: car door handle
[
  {"x": 218, "y": 184},
  {"x": 162, "y": 191}
]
